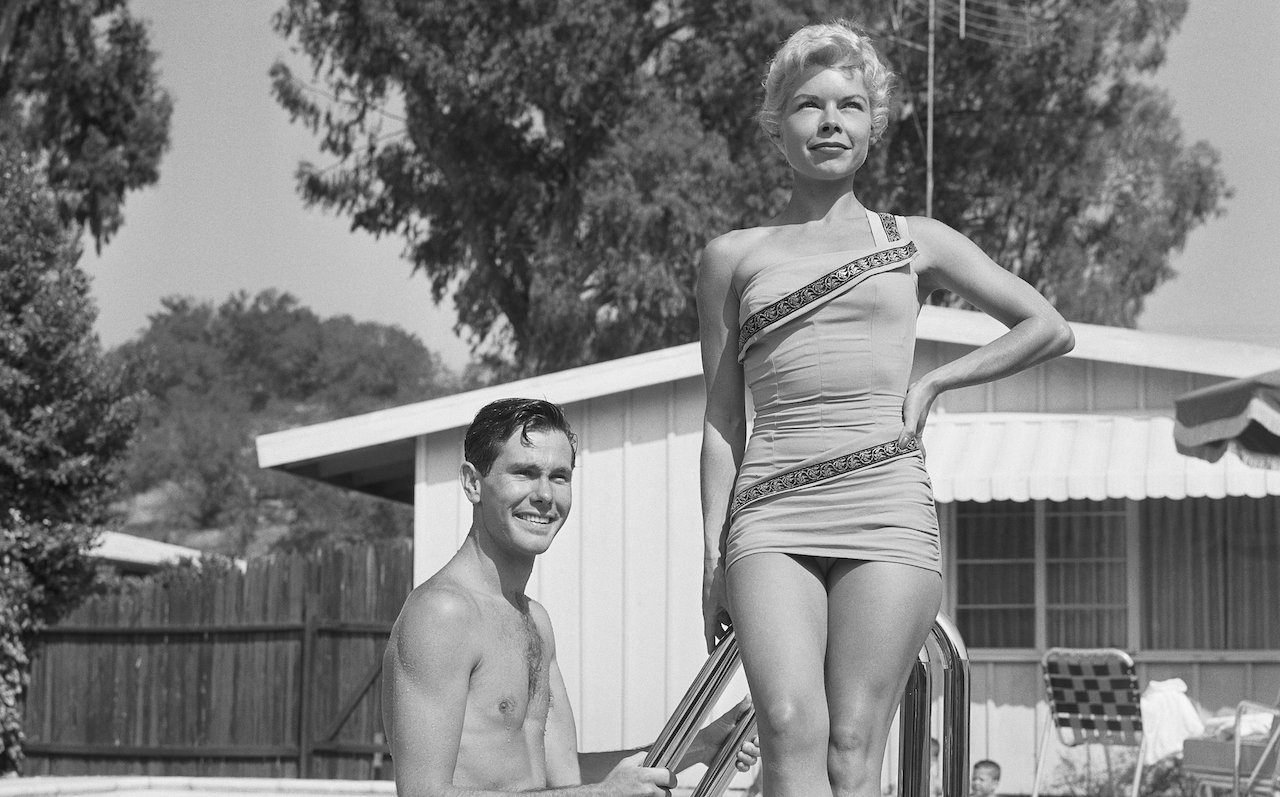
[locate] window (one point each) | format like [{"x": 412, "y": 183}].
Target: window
[
  {"x": 1038, "y": 574},
  {"x": 1209, "y": 573},
  {"x": 995, "y": 574},
  {"x": 1086, "y": 605}
]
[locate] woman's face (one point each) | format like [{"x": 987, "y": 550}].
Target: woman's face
[{"x": 825, "y": 127}]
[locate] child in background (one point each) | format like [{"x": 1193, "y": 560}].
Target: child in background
[{"x": 985, "y": 779}]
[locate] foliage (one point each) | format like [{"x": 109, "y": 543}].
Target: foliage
[
  {"x": 209, "y": 569},
  {"x": 1058, "y": 157},
  {"x": 1164, "y": 778},
  {"x": 78, "y": 85},
  {"x": 65, "y": 419},
  {"x": 65, "y": 424},
  {"x": 82, "y": 121},
  {"x": 219, "y": 377},
  {"x": 555, "y": 165},
  {"x": 43, "y": 573}
]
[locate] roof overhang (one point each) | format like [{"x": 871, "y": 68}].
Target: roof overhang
[{"x": 134, "y": 553}]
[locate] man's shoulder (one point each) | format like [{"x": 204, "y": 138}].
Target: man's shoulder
[
  {"x": 439, "y": 605},
  {"x": 436, "y": 624}
]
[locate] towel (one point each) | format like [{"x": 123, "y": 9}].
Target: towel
[{"x": 1168, "y": 718}]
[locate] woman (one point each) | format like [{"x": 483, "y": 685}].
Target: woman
[{"x": 821, "y": 535}]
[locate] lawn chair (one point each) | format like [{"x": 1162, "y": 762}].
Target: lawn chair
[
  {"x": 1093, "y": 699},
  {"x": 1224, "y": 763}
]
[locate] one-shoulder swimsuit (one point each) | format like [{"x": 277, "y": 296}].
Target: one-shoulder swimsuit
[{"x": 826, "y": 345}]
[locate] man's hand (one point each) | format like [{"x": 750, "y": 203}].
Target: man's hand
[
  {"x": 630, "y": 778},
  {"x": 707, "y": 743}
]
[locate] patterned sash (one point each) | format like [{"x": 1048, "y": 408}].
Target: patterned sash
[
  {"x": 844, "y": 277},
  {"x": 822, "y": 471}
]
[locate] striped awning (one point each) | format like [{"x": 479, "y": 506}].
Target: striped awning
[
  {"x": 1241, "y": 416},
  {"x": 1032, "y": 456}
]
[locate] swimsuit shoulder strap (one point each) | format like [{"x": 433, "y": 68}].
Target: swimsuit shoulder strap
[{"x": 888, "y": 228}]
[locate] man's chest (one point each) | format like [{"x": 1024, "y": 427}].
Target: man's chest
[{"x": 509, "y": 686}]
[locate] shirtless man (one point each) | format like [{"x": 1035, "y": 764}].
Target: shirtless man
[{"x": 473, "y": 700}]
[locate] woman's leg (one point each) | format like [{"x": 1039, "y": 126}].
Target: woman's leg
[
  {"x": 879, "y": 615},
  {"x": 779, "y": 608}
]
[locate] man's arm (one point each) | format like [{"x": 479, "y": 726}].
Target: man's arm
[
  {"x": 566, "y": 766},
  {"x": 426, "y": 671}
]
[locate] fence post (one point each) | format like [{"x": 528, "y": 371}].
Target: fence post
[{"x": 310, "y": 608}]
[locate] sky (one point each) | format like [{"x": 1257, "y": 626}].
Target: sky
[{"x": 225, "y": 215}]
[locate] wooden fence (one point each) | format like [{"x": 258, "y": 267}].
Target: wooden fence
[{"x": 269, "y": 672}]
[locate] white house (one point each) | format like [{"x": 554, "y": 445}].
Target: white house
[{"x": 1067, "y": 518}]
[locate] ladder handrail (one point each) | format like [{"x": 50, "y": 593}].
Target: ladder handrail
[{"x": 943, "y": 647}]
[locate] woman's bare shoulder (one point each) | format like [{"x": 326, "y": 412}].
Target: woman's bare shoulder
[
  {"x": 932, "y": 232},
  {"x": 938, "y": 242},
  {"x": 730, "y": 249}
]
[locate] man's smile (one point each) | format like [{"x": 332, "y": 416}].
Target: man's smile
[{"x": 533, "y": 517}]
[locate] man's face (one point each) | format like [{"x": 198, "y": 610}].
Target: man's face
[
  {"x": 525, "y": 497},
  {"x": 983, "y": 782}
]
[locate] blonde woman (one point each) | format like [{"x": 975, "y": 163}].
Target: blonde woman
[{"x": 821, "y": 534}]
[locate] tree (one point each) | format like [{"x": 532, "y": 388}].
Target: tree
[
  {"x": 65, "y": 418},
  {"x": 66, "y": 421},
  {"x": 1056, "y": 156},
  {"x": 78, "y": 85},
  {"x": 82, "y": 121},
  {"x": 220, "y": 376},
  {"x": 557, "y": 165}
]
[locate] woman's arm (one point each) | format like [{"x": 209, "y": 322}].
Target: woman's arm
[
  {"x": 1037, "y": 332},
  {"x": 724, "y": 421}
]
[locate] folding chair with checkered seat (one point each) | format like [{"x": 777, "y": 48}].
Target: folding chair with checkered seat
[{"x": 1093, "y": 699}]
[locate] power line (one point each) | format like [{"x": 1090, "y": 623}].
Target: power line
[{"x": 349, "y": 103}]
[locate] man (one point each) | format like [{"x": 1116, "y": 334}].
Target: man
[
  {"x": 985, "y": 779},
  {"x": 473, "y": 699}
]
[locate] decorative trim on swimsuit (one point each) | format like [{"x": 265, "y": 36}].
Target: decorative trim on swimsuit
[
  {"x": 890, "y": 223},
  {"x": 822, "y": 471},
  {"x": 798, "y": 300}
]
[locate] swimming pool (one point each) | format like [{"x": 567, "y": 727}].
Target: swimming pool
[{"x": 154, "y": 786}]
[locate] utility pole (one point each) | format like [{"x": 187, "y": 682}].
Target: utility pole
[{"x": 928, "y": 129}]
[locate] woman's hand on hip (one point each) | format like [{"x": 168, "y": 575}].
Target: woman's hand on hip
[{"x": 915, "y": 410}]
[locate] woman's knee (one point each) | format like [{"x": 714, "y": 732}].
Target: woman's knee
[
  {"x": 852, "y": 740},
  {"x": 854, "y": 757},
  {"x": 793, "y": 720}
]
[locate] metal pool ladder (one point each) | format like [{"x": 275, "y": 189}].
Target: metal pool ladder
[{"x": 944, "y": 649}]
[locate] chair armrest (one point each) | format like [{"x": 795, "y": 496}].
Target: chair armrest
[
  {"x": 1273, "y": 735},
  {"x": 1248, "y": 706}
]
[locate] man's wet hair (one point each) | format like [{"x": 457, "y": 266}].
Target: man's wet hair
[{"x": 498, "y": 420}]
